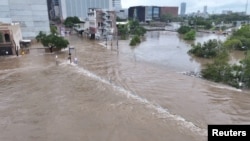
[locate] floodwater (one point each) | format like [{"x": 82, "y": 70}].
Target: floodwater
[{"x": 125, "y": 93}]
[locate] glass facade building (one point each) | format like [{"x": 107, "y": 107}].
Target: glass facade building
[
  {"x": 80, "y": 8},
  {"x": 156, "y": 13},
  {"x": 116, "y": 4},
  {"x": 32, "y": 15},
  {"x": 148, "y": 14}
]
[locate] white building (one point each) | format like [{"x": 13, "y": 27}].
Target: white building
[
  {"x": 10, "y": 37},
  {"x": 101, "y": 22},
  {"x": 79, "y": 8},
  {"x": 31, "y": 14}
]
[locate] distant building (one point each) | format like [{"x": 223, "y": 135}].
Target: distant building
[
  {"x": 205, "y": 10},
  {"x": 101, "y": 22},
  {"x": 199, "y": 14},
  {"x": 10, "y": 37},
  {"x": 53, "y": 9},
  {"x": 227, "y": 12},
  {"x": 32, "y": 15},
  {"x": 122, "y": 14},
  {"x": 173, "y": 11},
  {"x": 79, "y": 8},
  {"x": 147, "y": 13},
  {"x": 137, "y": 12},
  {"x": 183, "y": 9},
  {"x": 116, "y": 4},
  {"x": 81, "y": 27}
]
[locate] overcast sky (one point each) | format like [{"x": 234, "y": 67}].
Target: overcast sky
[{"x": 213, "y": 6}]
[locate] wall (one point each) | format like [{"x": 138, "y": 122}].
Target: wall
[
  {"x": 5, "y": 11},
  {"x": 14, "y": 32},
  {"x": 169, "y": 10},
  {"x": 79, "y": 8},
  {"x": 31, "y": 14}
]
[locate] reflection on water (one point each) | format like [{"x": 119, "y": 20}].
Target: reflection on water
[
  {"x": 137, "y": 94},
  {"x": 169, "y": 49}
]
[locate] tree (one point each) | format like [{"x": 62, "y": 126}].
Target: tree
[
  {"x": 166, "y": 18},
  {"x": 218, "y": 69},
  {"x": 70, "y": 21},
  {"x": 135, "y": 40},
  {"x": 190, "y": 35},
  {"x": 209, "y": 49},
  {"x": 233, "y": 44},
  {"x": 123, "y": 31},
  {"x": 245, "y": 63},
  {"x": 140, "y": 31},
  {"x": 52, "y": 41},
  {"x": 137, "y": 30},
  {"x": 40, "y": 36},
  {"x": 183, "y": 29},
  {"x": 53, "y": 29}
]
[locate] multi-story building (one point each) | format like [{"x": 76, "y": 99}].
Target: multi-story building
[
  {"x": 79, "y": 8},
  {"x": 32, "y": 15},
  {"x": 183, "y": 9},
  {"x": 53, "y": 9},
  {"x": 205, "y": 10},
  {"x": 137, "y": 12},
  {"x": 173, "y": 11},
  {"x": 10, "y": 37},
  {"x": 147, "y": 13},
  {"x": 101, "y": 22},
  {"x": 116, "y": 4}
]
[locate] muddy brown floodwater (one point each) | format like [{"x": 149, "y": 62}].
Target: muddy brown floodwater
[{"x": 137, "y": 94}]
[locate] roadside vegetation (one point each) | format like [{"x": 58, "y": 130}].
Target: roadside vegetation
[
  {"x": 137, "y": 31},
  {"x": 70, "y": 21},
  {"x": 188, "y": 32},
  {"x": 209, "y": 49},
  {"x": 221, "y": 70},
  {"x": 134, "y": 29},
  {"x": 52, "y": 40},
  {"x": 123, "y": 31}
]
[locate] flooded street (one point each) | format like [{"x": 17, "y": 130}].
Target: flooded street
[{"x": 136, "y": 94}]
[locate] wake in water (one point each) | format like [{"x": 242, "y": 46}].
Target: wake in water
[
  {"x": 131, "y": 95},
  {"x": 226, "y": 87}
]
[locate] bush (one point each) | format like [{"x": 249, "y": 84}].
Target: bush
[
  {"x": 135, "y": 40},
  {"x": 190, "y": 35},
  {"x": 70, "y": 21},
  {"x": 132, "y": 42},
  {"x": 209, "y": 49},
  {"x": 184, "y": 29}
]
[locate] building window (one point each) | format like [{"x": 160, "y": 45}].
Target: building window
[
  {"x": 156, "y": 12},
  {"x": 7, "y": 37}
]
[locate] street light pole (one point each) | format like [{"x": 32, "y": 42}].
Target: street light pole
[
  {"x": 106, "y": 41},
  {"x": 69, "y": 55}
]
